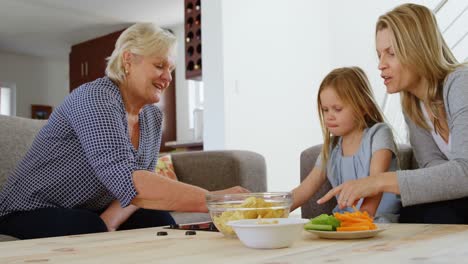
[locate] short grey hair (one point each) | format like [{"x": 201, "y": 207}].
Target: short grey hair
[{"x": 141, "y": 39}]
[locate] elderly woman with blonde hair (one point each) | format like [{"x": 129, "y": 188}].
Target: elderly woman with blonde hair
[
  {"x": 90, "y": 168},
  {"x": 415, "y": 61}
]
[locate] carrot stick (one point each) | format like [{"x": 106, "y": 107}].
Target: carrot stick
[
  {"x": 348, "y": 224},
  {"x": 352, "y": 228},
  {"x": 349, "y": 218}
]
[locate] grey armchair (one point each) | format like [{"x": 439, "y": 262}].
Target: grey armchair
[{"x": 309, "y": 156}]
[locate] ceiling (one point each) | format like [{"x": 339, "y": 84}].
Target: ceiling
[{"x": 49, "y": 27}]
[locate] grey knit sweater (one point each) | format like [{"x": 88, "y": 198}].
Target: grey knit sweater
[{"x": 440, "y": 178}]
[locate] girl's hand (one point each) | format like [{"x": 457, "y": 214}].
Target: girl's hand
[{"x": 350, "y": 192}]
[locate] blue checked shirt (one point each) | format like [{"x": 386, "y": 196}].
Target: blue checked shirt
[{"x": 83, "y": 157}]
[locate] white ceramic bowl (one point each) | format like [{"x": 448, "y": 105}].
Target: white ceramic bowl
[{"x": 268, "y": 233}]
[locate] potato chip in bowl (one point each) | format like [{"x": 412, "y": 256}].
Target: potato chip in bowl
[{"x": 228, "y": 207}]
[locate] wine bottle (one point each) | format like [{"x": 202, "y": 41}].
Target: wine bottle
[
  {"x": 189, "y": 7},
  {"x": 190, "y": 51},
  {"x": 197, "y": 65},
  {"x": 190, "y": 66},
  {"x": 189, "y": 37},
  {"x": 190, "y": 22}
]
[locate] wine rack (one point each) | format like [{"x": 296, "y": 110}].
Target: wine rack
[{"x": 193, "y": 50}]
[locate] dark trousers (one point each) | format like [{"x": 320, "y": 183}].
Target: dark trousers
[
  {"x": 445, "y": 212},
  {"x": 50, "y": 222}
]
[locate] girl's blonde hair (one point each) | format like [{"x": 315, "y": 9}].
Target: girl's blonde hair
[
  {"x": 141, "y": 39},
  {"x": 419, "y": 45},
  {"x": 353, "y": 88}
]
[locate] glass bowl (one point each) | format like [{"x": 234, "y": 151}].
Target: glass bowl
[{"x": 228, "y": 207}]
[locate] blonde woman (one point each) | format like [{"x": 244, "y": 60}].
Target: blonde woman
[
  {"x": 415, "y": 61},
  {"x": 91, "y": 167},
  {"x": 357, "y": 142}
]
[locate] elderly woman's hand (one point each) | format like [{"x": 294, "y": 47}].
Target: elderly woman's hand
[
  {"x": 115, "y": 215},
  {"x": 351, "y": 191},
  {"x": 235, "y": 189}
]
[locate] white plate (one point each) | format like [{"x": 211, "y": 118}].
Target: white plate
[{"x": 347, "y": 234}]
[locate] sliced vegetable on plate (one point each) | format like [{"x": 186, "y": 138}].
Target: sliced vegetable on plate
[
  {"x": 356, "y": 221},
  {"x": 342, "y": 222},
  {"x": 323, "y": 222}
]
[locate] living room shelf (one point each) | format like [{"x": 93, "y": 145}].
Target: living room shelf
[{"x": 193, "y": 45}]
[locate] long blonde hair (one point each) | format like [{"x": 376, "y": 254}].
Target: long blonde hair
[
  {"x": 353, "y": 88},
  {"x": 419, "y": 45}
]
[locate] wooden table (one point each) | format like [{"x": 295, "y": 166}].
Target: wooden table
[{"x": 400, "y": 243}]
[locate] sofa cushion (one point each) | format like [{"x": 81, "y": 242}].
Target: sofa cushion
[
  {"x": 165, "y": 167},
  {"x": 216, "y": 170},
  {"x": 17, "y": 135},
  {"x": 310, "y": 208}
]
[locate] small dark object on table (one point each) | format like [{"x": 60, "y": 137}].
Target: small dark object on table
[{"x": 190, "y": 233}]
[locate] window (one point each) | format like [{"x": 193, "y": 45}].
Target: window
[
  {"x": 7, "y": 100},
  {"x": 195, "y": 98},
  {"x": 452, "y": 18}
]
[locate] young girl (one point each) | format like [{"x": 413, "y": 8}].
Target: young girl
[{"x": 357, "y": 142}]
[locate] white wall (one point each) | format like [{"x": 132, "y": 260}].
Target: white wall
[
  {"x": 38, "y": 80},
  {"x": 213, "y": 75},
  {"x": 353, "y": 40},
  {"x": 260, "y": 80},
  {"x": 263, "y": 63}
]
